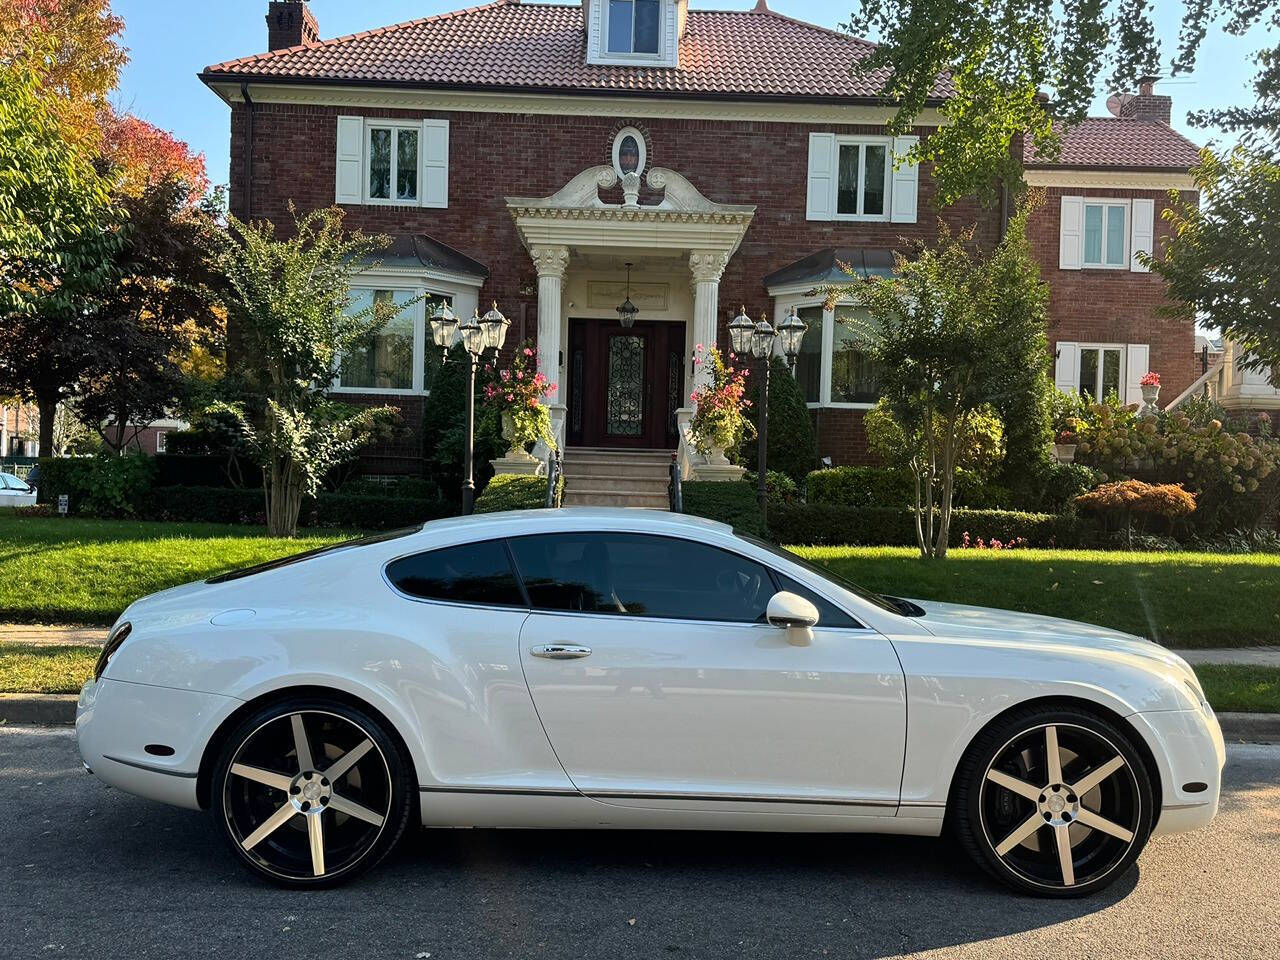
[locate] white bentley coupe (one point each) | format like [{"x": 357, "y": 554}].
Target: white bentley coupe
[{"x": 586, "y": 668}]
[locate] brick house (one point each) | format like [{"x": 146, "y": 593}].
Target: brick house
[{"x": 526, "y": 153}]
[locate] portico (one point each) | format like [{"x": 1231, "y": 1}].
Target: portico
[{"x": 679, "y": 247}]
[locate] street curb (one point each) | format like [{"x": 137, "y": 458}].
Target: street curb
[
  {"x": 60, "y": 708},
  {"x": 46, "y": 708}
]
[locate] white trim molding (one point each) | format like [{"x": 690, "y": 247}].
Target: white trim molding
[
  {"x": 1110, "y": 179},
  {"x": 570, "y": 103}
]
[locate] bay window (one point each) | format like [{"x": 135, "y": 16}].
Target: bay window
[
  {"x": 399, "y": 356},
  {"x": 833, "y": 368}
]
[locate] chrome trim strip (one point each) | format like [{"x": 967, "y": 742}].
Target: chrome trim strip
[
  {"x": 152, "y": 768},
  {"x": 658, "y": 795},
  {"x": 503, "y": 791}
]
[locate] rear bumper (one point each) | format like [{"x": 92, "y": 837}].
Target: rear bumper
[
  {"x": 116, "y": 721},
  {"x": 1190, "y": 753}
]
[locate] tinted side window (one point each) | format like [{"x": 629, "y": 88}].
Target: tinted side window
[
  {"x": 638, "y": 575},
  {"x": 829, "y": 615},
  {"x": 468, "y": 573}
]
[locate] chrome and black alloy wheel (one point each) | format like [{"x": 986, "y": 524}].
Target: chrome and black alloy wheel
[
  {"x": 311, "y": 794},
  {"x": 1057, "y": 803}
]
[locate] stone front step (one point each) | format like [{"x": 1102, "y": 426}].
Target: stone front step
[{"x": 601, "y": 477}]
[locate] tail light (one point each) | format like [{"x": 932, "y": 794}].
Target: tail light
[{"x": 114, "y": 639}]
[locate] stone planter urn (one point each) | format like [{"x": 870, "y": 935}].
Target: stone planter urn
[
  {"x": 1064, "y": 452},
  {"x": 1150, "y": 394},
  {"x": 717, "y": 457},
  {"x": 517, "y": 460}
]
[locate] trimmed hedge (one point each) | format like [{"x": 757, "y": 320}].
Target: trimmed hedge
[
  {"x": 513, "y": 492},
  {"x": 860, "y": 487},
  {"x": 832, "y": 525},
  {"x": 345, "y": 511},
  {"x": 206, "y": 470},
  {"x": 107, "y": 486},
  {"x": 733, "y": 503}
]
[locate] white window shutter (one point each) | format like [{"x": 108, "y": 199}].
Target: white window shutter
[
  {"x": 1071, "y": 234},
  {"x": 435, "y": 163},
  {"x": 350, "y": 167},
  {"x": 906, "y": 183},
  {"x": 1143, "y": 236},
  {"x": 1066, "y": 370},
  {"x": 1137, "y": 363},
  {"x": 821, "y": 204}
]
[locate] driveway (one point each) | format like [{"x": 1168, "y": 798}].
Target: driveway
[{"x": 91, "y": 872}]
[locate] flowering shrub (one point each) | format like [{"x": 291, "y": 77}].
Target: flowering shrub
[
  {"x": 1150, "y": 379},
  {"x": 1067, "y": 411},
  {"x": 1013, "y": 543},
  {"x": 718, "y": 420},
  {"x": 518, "y": 393}
]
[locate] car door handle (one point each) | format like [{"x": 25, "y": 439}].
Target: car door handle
[{"x": 560, "y": 651}]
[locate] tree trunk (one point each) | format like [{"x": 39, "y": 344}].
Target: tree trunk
[
  {"x": 48, "y": 404},
  {"x": 284, "y": 499}
]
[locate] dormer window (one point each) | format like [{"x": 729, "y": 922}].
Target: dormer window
[{"x": 633, "y": 26}]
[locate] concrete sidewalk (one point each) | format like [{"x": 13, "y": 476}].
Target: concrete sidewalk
[{"x": 1266, "y": 656}]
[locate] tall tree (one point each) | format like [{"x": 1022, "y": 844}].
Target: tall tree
[
  {"x": 1220, "y": 258},
  {"x": 58, "y": 234},
  {"x": 1000, "y": 54},
  {"x": 955, "y": 332},
  {"x": 288, "y": 305},
  {"x": 144, "y": 156},
  {"x": 157, "y": 311}
]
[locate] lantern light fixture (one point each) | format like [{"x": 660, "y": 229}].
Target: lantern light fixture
[
  {"x": 472, "y": 335},
  {"x": 444, "y": 326},
  {"x": 627, "y": 310},
  {"x": 741, "y": 328},
  {"x": 791, "y": 331},
  {"x": 495, "y": 327},
  {"x": 762, "y": 338}
]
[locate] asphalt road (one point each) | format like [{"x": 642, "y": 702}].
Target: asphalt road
[{"x": 90, "y": 872}]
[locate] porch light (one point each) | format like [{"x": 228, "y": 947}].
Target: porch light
[
  {"x": 627, "y": 310},
  {"x": 444, "y": 326},
  {"x": 762, "y": 338},
  {"x": 741, "y": 328},
  {"x": 473, "y": 335},
  {"x": 495, "y": 327},
  {"x": 791, "y": 331}
]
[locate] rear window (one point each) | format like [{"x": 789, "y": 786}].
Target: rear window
[
  {"x": 309, "y": 554},
  {"x": 476, "y": 573}
]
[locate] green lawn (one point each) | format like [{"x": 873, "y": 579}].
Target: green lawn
[
  {"x": 1237, "y": 687},
  {"x": 86, "y": 571},
  {"x": 58, "y": 570},
  {"x": 1180, "y": 599}
]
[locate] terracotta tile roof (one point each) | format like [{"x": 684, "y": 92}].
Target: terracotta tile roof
[
  {"x": 510, "y": 45},
  {"x": 1120, "y": 142}
]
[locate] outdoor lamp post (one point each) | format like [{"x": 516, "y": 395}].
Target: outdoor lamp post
[
  {"x": 757, "y": 339},
  {"x": 477, "y": 335}
]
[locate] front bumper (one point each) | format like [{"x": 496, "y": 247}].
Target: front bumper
[
  {"x": 1190, "y": 754},
  {"x": 116, "y": 721}
]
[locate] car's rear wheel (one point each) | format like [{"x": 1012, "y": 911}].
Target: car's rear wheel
[
  {"x": 1053, "y": 801},
  {"x": 310, "y": 793}
]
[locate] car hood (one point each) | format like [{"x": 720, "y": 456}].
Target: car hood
[{"x": 962, "y": 622}]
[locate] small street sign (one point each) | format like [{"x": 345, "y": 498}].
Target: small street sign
[{"x": 63, "y": 503}]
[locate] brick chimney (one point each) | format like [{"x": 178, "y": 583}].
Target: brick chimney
[
  {"x": 290, "y": 24},
  {"x": 1147, "y": 105}
]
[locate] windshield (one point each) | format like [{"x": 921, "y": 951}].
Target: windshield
[
  {"x": 904, "y": 608},
  {"x": 308, "y": 554}
]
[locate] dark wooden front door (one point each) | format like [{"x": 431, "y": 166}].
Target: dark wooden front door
[{"x": 625, "y": 383}]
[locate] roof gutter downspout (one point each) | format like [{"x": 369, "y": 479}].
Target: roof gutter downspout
[{"x": 248, "y": 149}]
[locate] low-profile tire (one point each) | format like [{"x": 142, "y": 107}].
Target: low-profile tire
[
  {"x": 1054, "y": 801},
  {"x": 310, "y": 792}
]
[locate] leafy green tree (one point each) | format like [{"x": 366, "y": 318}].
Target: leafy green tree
[
  {"x": 1220, "y": 259},
  {"x": 954, "y": 333},
  {"x": 58, "y": 237},
  {"x": 1000, "y": 54},
  {"x": 792, "y": 448},
  {"x": 158, "y": 310},
  {"x": 288, "y": 310}
]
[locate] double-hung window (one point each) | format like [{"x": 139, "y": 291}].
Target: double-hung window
[
  {"x": 1101, "y": 371},
  {"x": 833, "y": 368},
  {"x": 633, "y": 26},
  {"x": 1105, "y": 235},
  {"x": 393, "y": 164},
  {"x": 399, "y": 356},
  {"x": 863, "y": 179}
]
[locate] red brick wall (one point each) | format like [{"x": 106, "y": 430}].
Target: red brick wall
[
  {"x": 1113, "y": 306},
  {"x": 497, "y": 155}
]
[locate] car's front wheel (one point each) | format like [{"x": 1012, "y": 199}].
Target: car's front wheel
[
  {"x": 310, "y": 793},
  {"x": 1053, "y": 801}
]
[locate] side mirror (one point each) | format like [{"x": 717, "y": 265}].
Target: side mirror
[{"x": 795, "y": 614}]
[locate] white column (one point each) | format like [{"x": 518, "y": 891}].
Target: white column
[
  {"x": 706, "y": 266},
  {"x": 551, "y": 262}
]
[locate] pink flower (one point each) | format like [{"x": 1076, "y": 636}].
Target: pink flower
[
  {"x": 528, "y": 352},
  {"x": 1150, "y": 379}
]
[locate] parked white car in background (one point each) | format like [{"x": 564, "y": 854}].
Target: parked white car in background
[
  {"x": 633, "y": 669},
  {"x": 15, "y": 492}
]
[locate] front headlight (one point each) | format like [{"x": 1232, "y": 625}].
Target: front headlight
[
  {"x": 1197, "y": 691},
  {"x": 116, "y": 637}
]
